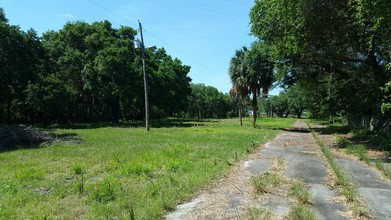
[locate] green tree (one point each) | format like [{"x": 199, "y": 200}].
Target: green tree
[
  {"x": 340, "y": 45},
  {"x": 208, "y": 102},
  {"x": 259, "y": 76},
  {"x": 169, "y": 84},
  {"x": 297, "y": 100},
  {"x": 103, "y": 73},
  {"x": 22, "y": 59},
  {"x": 237, "y": 73},
  {"x": 280, "y": 104},
  {"x": 386, "y": 105},
  {"x": 251, "y": 73}
]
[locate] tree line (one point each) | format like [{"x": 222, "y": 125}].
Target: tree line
[
  {"x": 92, "y": 73},
  {"x": 337, "y": 53}
]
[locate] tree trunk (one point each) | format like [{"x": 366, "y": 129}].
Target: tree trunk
[
  {"x": 240, "y": 116},
  {"x": 300, "y": 113},
  {"x": 254, "y": 103}
]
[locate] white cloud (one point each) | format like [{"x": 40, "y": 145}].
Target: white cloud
[{"x": 65, "y": 15}]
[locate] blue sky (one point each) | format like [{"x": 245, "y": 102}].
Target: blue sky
[{"x": 203, "y": 34}]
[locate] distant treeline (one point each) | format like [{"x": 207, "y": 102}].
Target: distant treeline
[{"x": 90, "y": 73}]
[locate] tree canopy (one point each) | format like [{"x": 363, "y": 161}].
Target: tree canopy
[
  {"x": 85, "y": 73},
  {"x": 337, "y": 49},
  {"x": 251, "y": 73},
  {"x": 208, "y": 102}
]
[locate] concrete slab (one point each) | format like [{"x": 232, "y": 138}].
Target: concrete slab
[
  {"x": 362, "y": 175},
  {"x": 183, "y": 209},
  {"x": 324, "y": 206},
  {"x": 378, "y": 200},
  {"x": 371, "y": 187},
  {"x": 309, "y": 169},
  {"x": 257, "y": 167},
  {"x": 235, "y": 201},
  {"x": 278, "y": 205}
]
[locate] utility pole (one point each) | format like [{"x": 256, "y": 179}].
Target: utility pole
[{"x": 147, "y": 126}]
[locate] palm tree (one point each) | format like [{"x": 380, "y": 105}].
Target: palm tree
[
  {"x": 237, "y": 72},
  {"x": 260, "y": 74},
  {"x": 251, "y": 73}
]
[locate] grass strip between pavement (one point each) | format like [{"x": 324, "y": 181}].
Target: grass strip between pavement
[{"x": 346, "y": 188}]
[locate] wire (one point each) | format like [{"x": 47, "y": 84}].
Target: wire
[
  {"x": 112, "y": 12},
  {"x": 154, "y": 36}
]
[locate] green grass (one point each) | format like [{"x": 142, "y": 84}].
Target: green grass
[
  {"x": 385, "y": 170},
  {"x": 358, "y": 150},
  {"x": 259, "y": 213},
  {"x": 119, "y": 172},
  {"x": 266, "y": 182},
  {"x": 300, "y": 192},
  {"x": 342, "y": 141},
  {"x": 346, "y": 189},
  {"x": 301, "y": 212}
]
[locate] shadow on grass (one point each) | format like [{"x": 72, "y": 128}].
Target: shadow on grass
[
  {"x": 358, "y": 135},
  {"x": 24, "y": 137},
  {"x": 155, "y": 123},
  {"x": 297, "y": 130},
  {"x": 333, "y": 129}
]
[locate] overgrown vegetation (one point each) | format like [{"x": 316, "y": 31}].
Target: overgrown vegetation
[
  {"x": 327, "y": 49},
  {"x": 272, "y": 182},
  {"x": 259, "y": 213},
  {"x": 357, "y": 141},
  {"x": 359, "y": 151},
  {"x": 122, "y": 172},
  {"x": 384, "y": 169},
  {"x": 298, "y": 191},
  {"x": 302, "y": 212},
  {"x": 266, "y": 182},
  {"x": 346, "y": 189}
]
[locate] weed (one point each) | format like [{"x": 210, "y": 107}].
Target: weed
[
  {"x": 386, "y": 171},
  {"x": 279, "y": 164},
  {"x": 78, "y": 170},
  {"x": 255, "y": 144},
  {"x": 103, "y": 192},
  {"x": 259, "y": 213},
  {"x": 342, "y": 141},
  {"x": 236, "y": 156},
  {"x": 348, "y": 190},
  {"x": 131, "y": 212},
  {"x": 262, "y": 182},
  {"x": 299, "y": 191},
  {"x": 359, "y": 151},
  {"x": 301, "y": 212}
]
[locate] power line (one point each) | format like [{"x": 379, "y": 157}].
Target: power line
[
  {"x": 114, "y": 13},
  {"x": 154, "y": 36}
]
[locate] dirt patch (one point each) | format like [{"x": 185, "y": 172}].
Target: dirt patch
[
  {"x": 13, "y": 136},
  {"x": 22, "y": 136}
]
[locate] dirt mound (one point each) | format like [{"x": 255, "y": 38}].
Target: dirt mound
[{"x": 22, "y": 136}]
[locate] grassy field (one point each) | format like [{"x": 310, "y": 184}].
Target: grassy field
[{"x": 118, "y": 172}]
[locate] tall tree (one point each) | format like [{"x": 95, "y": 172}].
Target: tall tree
[
  {"x": 341, "y": 45},
  {"x": 260, "y": 74},
  {"x": 21, "y": 61},
  {"x": 237, "y": 73},
  {"x": 208, "y": 102}
]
